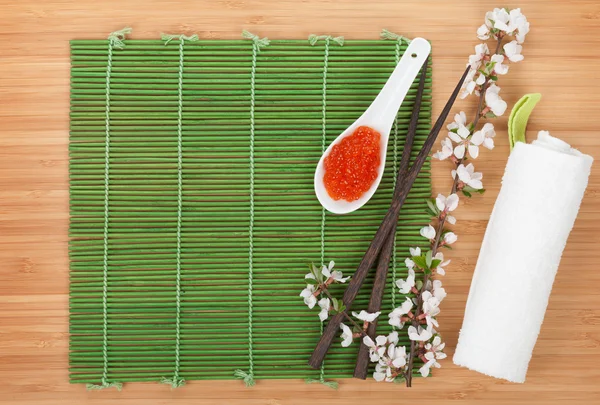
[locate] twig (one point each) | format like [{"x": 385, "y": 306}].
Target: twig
[{"x": 438, "y": 234}]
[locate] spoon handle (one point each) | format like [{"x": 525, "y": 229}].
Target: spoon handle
[{"x": 384, "y": 108}]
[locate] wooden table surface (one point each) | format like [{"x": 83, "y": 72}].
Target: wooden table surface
[{"x": 561, "y": 62}]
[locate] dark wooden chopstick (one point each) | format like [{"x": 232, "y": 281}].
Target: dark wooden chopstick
[
  {"x": 403, "y": 185},
  {"x": 383, "y": 264}
]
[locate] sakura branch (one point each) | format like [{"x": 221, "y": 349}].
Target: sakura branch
[
  {"x": 318, "y": 281},
  {"x": 507, "y": 28}
]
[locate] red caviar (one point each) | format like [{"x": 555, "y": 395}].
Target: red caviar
[{"x": 351, "y": 166}]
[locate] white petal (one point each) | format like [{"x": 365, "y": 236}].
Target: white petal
[
  {"x": 378, "y": 376},
  {"x": 450, "y": 237},
  {"x": 406, "y": 305},
  {"x": 476, "y": 184},
  {"x": 368, "y": 341},
  {"x": 483, "y": 32},
  {"x": 331, "y": 264},
  {"x": 440, "y": 202},
  {"x": 424, "y": 370},
  {"x": 393, "y": 337},
  {"x": 454, "y": 136},
  {"x": 311, "y": 301},
  {"x": 381, "y": 340},
  {"x": 452, "y": 202},
  {"x": 474, "y": 151},
  {"x": 415, "y": 251},
  {"x": 366, "y": 316},
  {"x": 428, "y": 232},
  {"x": 463, "y": 132},
  {"x": 499, "y": 107},
  {"x": 488, "y": 143},
  {"x": 477, "y": 138},
  {"x": 399, "y": 362},
  {"x": 459, "y": 151},
  {"x": 324, "y": 303},
  {"x": 310, "y": 275}
]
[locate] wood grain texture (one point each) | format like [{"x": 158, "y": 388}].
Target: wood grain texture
[{"x": 561, "y": 62}]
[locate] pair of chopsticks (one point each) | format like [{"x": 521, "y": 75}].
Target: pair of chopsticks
[{"x": 382, "y": 244}]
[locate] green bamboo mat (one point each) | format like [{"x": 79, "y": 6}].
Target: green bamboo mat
[{"x": 142, "y": 310}]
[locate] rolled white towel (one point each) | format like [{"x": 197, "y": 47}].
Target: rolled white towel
[{"x": 541, "y": 192}]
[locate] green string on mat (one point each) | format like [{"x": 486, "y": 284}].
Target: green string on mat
[
  {"x": 257, "y": 43},
  {"x": 385, "y": 34},
  {"x": 517, "y": 121},
  {"x": 177, "y": 381},
  {"x": 115, "y": 40},
  {"x": 312, "y": 40}
]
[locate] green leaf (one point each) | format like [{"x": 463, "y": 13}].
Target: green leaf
[
  {"x": 342, "y": 308},
  {"x": 427, "y": 271},
  {"x": 466, "y": 193},
  {"x": 399, "y": 380},
  {"x": 335, "y": 303},
  {"x": 420, "y": 261},
  {"x": 494, "y": 78},
  {"x": 428, "y": 258},
  {"x": 470, "y": 190},
  {"x": 490, "y": 115},
  {"x": 435, "y": 263},
  {"x": 419, "y": 284},
  {"x": 433, "y": 209},
  {"x": 311, "y": 281}
]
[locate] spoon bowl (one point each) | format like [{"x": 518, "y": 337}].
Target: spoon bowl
[{"x": 379, "y": 116}]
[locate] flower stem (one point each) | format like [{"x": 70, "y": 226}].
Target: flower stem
[
  {"x": 438, "y": 234},
  {"x": 362, "y": 332}
]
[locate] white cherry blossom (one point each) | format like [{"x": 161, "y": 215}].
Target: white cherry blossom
[
  {"x": 500, "y": 17},
  {"x": 324, "y": 304},
  {"x": 440, "y": 267},
  {"x": 415, "y": 251},
  {"x": 519, "y": 21},
  {"x": 439, "y": 292},
  {"x": 481, "y": 51},
  {"x": 377, "y": 348},
  {"x": 486, "y": 134},
  {"x": 347, "y": 335},
  {"x": 430, "y": 308},
  {"x": 469, "y": 176},
  {"x": 406, "y": 286},
  {"x": 499, "y": 67},
  {"x": 366, "y": 316},
  {"x": 428, "y": 232},
  {"x": 434, "y": 353},
  {"x": 420, "y": 334},
  {"x": 397, "y": 314},
  {"x": 447, "y": 204},
  {"x": 512, "y": 50},
  {"x": 308, "y": 295},
  {"x": 447, "y": 150},
  {"x": 450, "y": 238},
  {"x": 335, "y": 274},
  {"x": 483, "y": 32},
  {"x": 494, "y": 101}
]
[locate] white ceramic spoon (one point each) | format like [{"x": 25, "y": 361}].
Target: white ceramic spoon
[{"x": 380, "y": 116}]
